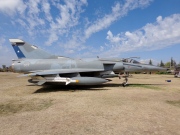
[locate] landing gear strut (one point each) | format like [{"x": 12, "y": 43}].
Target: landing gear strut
[
  {"x": 125, "y": 76},
  {"x": 125, "y": 82}
]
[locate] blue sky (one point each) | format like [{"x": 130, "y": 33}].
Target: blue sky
[{"x": 149, "y": 29}]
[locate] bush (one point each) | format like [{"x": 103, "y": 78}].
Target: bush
[{"x": 162, "y": 73}]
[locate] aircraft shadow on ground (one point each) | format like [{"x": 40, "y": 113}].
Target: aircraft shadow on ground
[
  {"x": 131, "y": 85},
  {"x": 56, "y": 88}
]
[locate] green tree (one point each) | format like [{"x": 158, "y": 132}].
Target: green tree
[
  {"x": 161, "y": 64},
  {"x": 4, "y": 68},
  {"x": 150, "y": 62},
  {"x": 167, "y": 64},
  {"x": 10, "y": 69},
  {"x": 172, "y": 62}
]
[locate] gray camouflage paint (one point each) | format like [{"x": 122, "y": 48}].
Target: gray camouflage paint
[{"x": 88, "y": 71}]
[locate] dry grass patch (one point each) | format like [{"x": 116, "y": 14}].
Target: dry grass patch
[
  {"x": 149, "y": 105},
  {"x": 12, "y": 107},
  {"x": 145, "y": 86},
  {"x": 175, "y": 103}
]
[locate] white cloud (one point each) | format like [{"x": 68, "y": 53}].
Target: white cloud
[
  {"x": 69, "y": 51},
  {"x": 118, "y": 11},
  {"x": 12, "y": 6},
  {"x": 111, "y": 38},
  {"x": 33, "y": 15},
  {"x": 37, "y": 19},
  {"x": 36, "y": 15},
  {"x": 69, "y": 14},
  {"x": 53, "y": 37},
  {"x": 46, "y": 8},
  {"x": 33, "y": 7},
  {"x": 27, "y": 14},
  {"x": 103, "y": 22},
  {"x": 162, "y": 33},
  {"x": 84, "y": 2}
]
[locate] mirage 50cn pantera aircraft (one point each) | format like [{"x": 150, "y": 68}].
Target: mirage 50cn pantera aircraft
[{"x": 43, "y": 67}]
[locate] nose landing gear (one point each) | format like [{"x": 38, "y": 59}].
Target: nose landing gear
[{"x": 125, "y": 76}]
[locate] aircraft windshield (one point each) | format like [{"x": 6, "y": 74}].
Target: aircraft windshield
[
  {"x": 131, "y": 61},
  {"x": 136, "y": 62}
]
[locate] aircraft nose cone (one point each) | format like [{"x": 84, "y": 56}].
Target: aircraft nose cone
[
  {"x": 162, "y": 69},
  {"x": 154, "y": 68}
]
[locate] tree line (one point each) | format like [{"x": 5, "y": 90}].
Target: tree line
[
  {"x": 170, "y": 64},
  {"x": 6, "y": 69}
]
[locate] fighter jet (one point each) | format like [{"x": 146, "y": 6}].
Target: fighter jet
[{"x": 43, "y": 67}]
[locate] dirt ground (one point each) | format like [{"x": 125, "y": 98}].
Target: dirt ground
[{"x": 149, "y": 105}]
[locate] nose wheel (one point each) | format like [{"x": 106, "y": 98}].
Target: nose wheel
[{"x": 125, "y": 82}]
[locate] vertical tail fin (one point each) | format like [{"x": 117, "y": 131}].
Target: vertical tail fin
[{"x": 26, "y": 50}]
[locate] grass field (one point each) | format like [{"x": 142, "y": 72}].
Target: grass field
[{"x": 149, "y": 105}]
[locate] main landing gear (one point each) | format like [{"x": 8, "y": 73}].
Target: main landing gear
[{"x": 125, "y": 76}]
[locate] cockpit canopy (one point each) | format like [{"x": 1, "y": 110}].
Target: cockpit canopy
[{"x": 131, "y": 61}]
